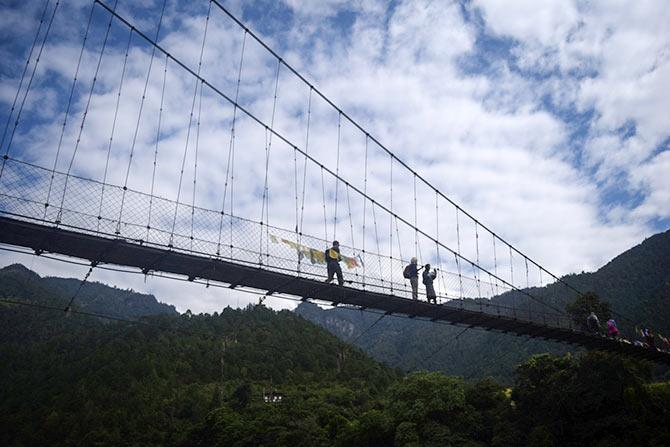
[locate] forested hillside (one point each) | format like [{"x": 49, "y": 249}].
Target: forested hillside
[
  {"x": 78, "y": 380},
  {"x": 217, "y": 379},
  {"x": 19, "y": 282},
  {"x": 635, "y": 283}
]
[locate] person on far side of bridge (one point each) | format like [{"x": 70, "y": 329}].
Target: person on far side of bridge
[
  {"x": 593, "y": 324},
  {"x": 649, "y": 340},
  {"x": 333, "y": 259},
  {"x": 612, "y": 330},
  {"x": 428, "y": 278},
  {"x": 411, "y": 272}
]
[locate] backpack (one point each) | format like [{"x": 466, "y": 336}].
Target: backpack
[{"x": 406, "y": 273}]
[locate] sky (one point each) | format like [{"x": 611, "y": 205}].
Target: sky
[{"x": 547, "y": 121}]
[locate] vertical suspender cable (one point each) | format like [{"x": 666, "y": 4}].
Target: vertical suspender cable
[
  {"x": 379, "y": 253},
  {"x": 158, "y": 136},
  {"x": 437, "y": 245},
  {"x": 83, "y": 118},
  {"x": 365, "y": 193},
  {"x": 351, "y": 219},
  {"x": 139, "y": 116},
  {"x": 479, "y": 294},
  {"x": 266, "y": 189},
  {"x": 323, "y": 196},
  {"x": 495, "y": 269},
  {"x": 231, "y": 158},
  {"x": 195, "y": 164},
  {"x": 458, "y": 264},
  {"x": 460, "y": 278},
  {"x": 397, "y": 236},
  {"x": 337, "y": 174},
  {"x": 397, "y": 232},
  {"x": 23, "y": 74},
  {"x": 267, "y": 159},
  {"x": 511, "y": 272},
  {"x": 416, "y": 225},
  {"x": 297, "y": 216},
  {"x": 391, "y": 222},
  {"x": 511, "y": 266},
  {"x": 30, "y": 83},
  {"x": 495, "y": 264},
  {"x": 458, "y": 233},
  {"x": 525, "y": 259},
  {"x": 304, "y": 169},
  {"x": 295, "y": 186},
  {"x": 190, "y": 122},
  {"x": 351, "y": 227},
  {"x": 477, "y": 273},
  {"x": 111, "y": 136},
  {"x": 67, "y": 109}
]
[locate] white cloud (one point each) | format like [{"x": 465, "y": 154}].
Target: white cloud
[
  {"x": 484, "y": 139},
  {"x": 546, "y": 24}
]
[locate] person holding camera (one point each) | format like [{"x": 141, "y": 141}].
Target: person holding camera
[{"x": 428, "y": 278}]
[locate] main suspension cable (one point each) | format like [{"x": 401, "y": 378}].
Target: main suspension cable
[
  {"x": 257, "y": 120},
  {"x": 362, "y": 130}
]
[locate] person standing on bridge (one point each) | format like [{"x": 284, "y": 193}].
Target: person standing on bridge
[
  {"x": 333, "y": 259},
  {"x": 428, "y": 278},
  {"x": 592, "y": 323},
  {"x": 411, "y": 272},
  {"x": 612, "y": 330}
]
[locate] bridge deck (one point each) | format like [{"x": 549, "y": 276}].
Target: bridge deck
[{"x": 43, "y": 238}]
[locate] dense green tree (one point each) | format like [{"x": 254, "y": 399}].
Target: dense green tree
[
  {"x": 81, "y": 381},
  {"x": 595, "y": 399},
  {"x": 583, "y": 305}
]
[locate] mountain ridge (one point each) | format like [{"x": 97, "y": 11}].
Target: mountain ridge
[
  {"x": 636, "y": 283},
  {"x": 19, "y": 282}
]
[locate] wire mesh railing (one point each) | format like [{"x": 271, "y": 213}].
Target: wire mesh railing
[{"x": 93, "y": 207}]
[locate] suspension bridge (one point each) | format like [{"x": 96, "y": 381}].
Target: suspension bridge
[{"x": 227, "y": 165}]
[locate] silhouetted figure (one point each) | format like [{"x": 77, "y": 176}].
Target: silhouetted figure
[
  {"x": 428, "y": 278},
  {"x": 649, "y": 338},
  {"x": 592, "y": 323},
  {"x": 612, "y": 330},
  {"x": 333, "y": 259},
  {"x": 411, "y": 272}
]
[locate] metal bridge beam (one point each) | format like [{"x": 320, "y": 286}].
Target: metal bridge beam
[{"x": 95, "y": 248}]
